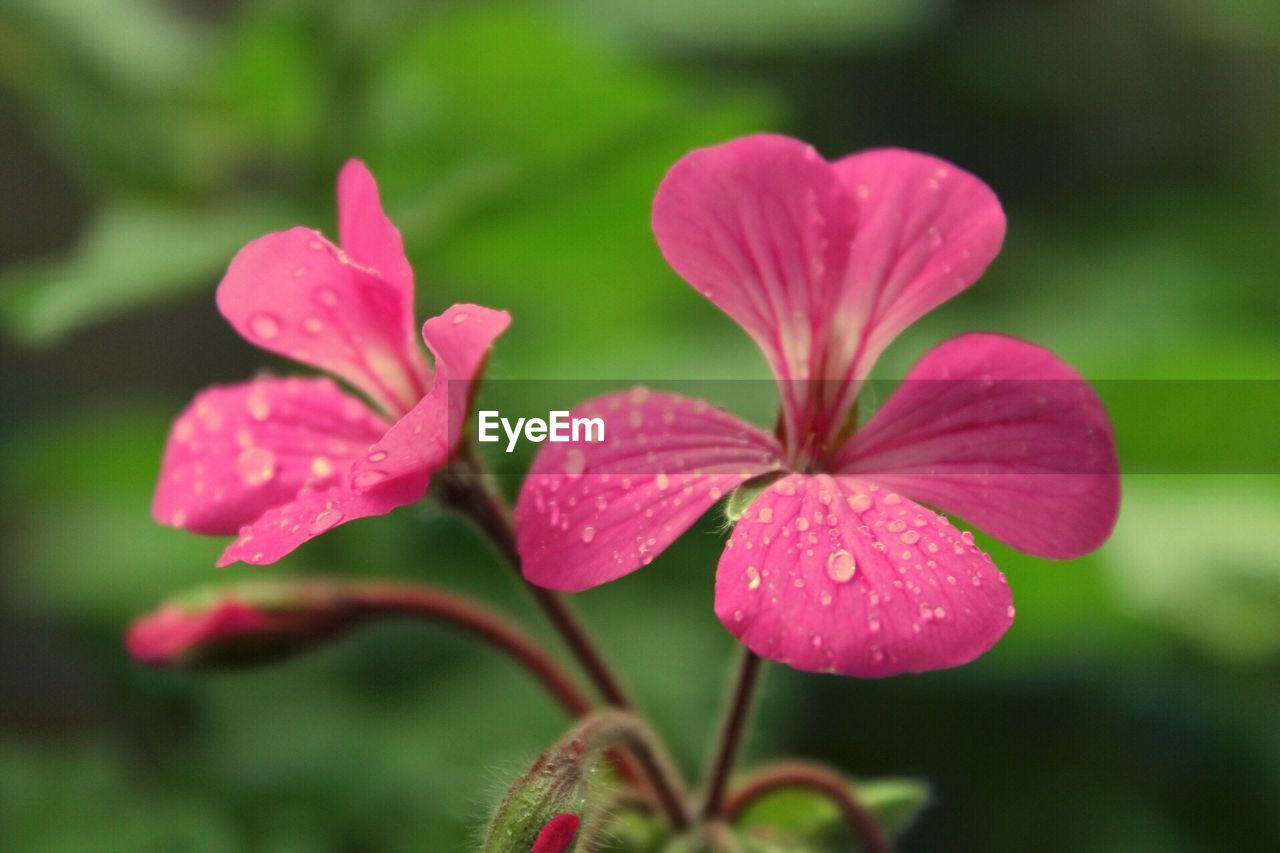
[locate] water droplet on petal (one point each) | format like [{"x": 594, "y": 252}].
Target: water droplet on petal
[
  {"x": 588, "y": 533},
  {"x": 313, "y": 325},
  {"x": 325, "y": 520},
  {"x": 326, "y": 296},
  {"x": 859, "y": 502},
  {"x": 256, "y": 465},
  {"x": 841, "y": 566},
  {"x": 738, "y": 616},
  {"x": 661, "y": 482},
  {"x": 911, "y": 537},
  {"x": 321, "y": 466},
  {"x": 802, "y": 524},
  {"x": 1010, "y": 611},
  {"x": 377, "y": 456},
  {"x": 460, "y": 318},
  {"x": 765, "y": 515},
  {"x": 365, "y": 479},
  {"x": 264, "y": 326},
  {"x": 753, "y": 577}
]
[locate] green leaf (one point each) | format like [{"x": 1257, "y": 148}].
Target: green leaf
[
  {"x": 801, "y": 819},
  {"x": 134, "y": 253}
]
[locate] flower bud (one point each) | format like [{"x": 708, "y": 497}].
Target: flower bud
[
  {"x": 244, "y": 624},
  {"x": 544, "y": 807},
  {"x": 557, "y": 835}
]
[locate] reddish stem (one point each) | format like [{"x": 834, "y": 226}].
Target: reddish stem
[
  {"x": 735, "y": 721},
  {"x": 861, "y": 821},
  {"x": 468, "y": 491},
  {"x": 379, "y": 599}
]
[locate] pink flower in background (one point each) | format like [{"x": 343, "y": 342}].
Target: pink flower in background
[
  {"x": 281, "y": 460},
  {"x": 837, "y": 565}
]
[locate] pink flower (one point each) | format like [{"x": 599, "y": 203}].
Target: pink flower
[
  {"x": 837, "y": 565},
  {"x": 279, "y": 461}
]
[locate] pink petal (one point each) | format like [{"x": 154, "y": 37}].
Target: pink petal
[
  {"x": 838, "y": 575},
  {"x": 239, "y": 449},
  {"x": 425, "y": 438},
  {"x": 823, "y": 264},
  {"x": 281, "y": 529},
  {"x": 591, "y": 512},
  {"x": 296, "y": 294},
  {"x": 367, "y": 235},
  {"x": 926, "y": 231},
  {"x": 761, "y": 226},
  {"x": 1004, "y": 434}
]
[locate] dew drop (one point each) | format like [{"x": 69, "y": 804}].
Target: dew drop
[
  {"x": 365, "y": 479},
  {"x": 264, "y": 326},
  {"x": 256, "y": 465},
  {"x": 859, "y": 502},
  {"x": 661, "y": 482},
  {"x": 1010, "y": 611},
  {"x": 841, "y": 566},
  {"x": 802, "y": 523},
  {"x": 325, "y": 520},
  {"x": 911, "y": 537},
  {"x": 377, "y": 456},
  {"x": 738, "y": 616},
  {"x": 765, "y": 515},
  {"x": 321, "y": 466},
  {"x": 327, "y": 296},
  {"x": 575, "y": 463},
  {"x": 896, "y": 526},
  {"x": 460, "y": 318},
  {"x": 753, "y": 577},
  {"x": 313, "y": 325},
  {"x": 588, "y": 533}
]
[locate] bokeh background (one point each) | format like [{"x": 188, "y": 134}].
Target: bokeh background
[{"x": 1133, "y": 706}]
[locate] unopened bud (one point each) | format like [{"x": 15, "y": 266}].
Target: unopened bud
[
  {"x": 557, "y": 835},
  {"x": 545, "y": 805},
  {"x": 244, "y": 624}
]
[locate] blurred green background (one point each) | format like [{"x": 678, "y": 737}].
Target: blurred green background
[{"x": 1133, "y": 706}]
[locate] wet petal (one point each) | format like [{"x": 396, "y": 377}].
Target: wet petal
[
  {"x": 281, "y": 529},
  {"x": 296, "y": 294},
  {"x": 239, "y": 449},
  {"x": 591, "y": 512},
  {"x": 761, "y": 226},
  {"x": 839, "y": 575},
  {"x": 425, "y": 438},
  {"x": 926, "y": 230},
  {"x": 1005, "y": 435},
  {"x": 367, "y": 235}
]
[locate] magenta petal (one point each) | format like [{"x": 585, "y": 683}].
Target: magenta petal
[
  {"x": 591, "y": 512},
  {"x": 1005, "y": 435},
  {"x": 296, "y": 294},
  {"x": 425, "y": 438},
  {"x": 367, "y": 235},
  {"x": 926, "y": 231},
  {"x": 838, "y": 575},
  {"x": 239, "y": 449},
  {"x": 761, "y": 226},
  {"x": 283, "y": 528}
]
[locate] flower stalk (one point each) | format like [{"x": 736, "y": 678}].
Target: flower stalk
[{"x": 737, "y": 710}]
